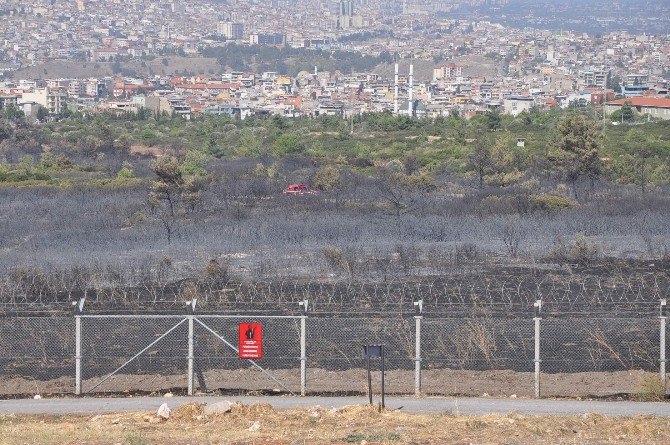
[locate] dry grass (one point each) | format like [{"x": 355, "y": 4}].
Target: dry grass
[
  {"x": 355, "y": 424},
  {"x": 652, "y": 389}
]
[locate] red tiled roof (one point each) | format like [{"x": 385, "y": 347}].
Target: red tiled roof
[
  {"x": 208, "y": 86},
  {"x": 131, "y": 86},
  {"x": 657, "y": 102}
]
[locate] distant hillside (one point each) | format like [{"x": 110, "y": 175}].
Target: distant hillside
[
  {"x": 144, "y": 68},
  {"x": 476, "y": 66},
  {"x": 291, "y": 61},
  {"x": 423, "y": 69},
  {"x": 473, "y": 66}
]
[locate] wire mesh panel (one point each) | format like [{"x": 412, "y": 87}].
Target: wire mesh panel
[
  {"x": 222, "y": 369},
  {"x": 667, "y": 354},
  {"x": 335, "y": 356},
  {"x": 110, "y": 342},
  {"x": 586, "y": 356},
  {"x": 474, "y": 356},
  {"x": 37, "y": 355}
]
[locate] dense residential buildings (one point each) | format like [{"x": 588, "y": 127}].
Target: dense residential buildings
[{"x": 463, "y": 66}]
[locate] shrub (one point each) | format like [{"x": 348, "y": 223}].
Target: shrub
[
  {"x": 650, "y": 389},
  {"x": 582, "y": 250},
  {"x": 125, "y": 173},
  {"x": 337, "y": 260},
  {"x": 215, "y": 271},
  {"x": 326, "y": 178},
  {"x": 466, "y": 252},
  {"x": 508, "y": 204},
  {"x": 137, "y": 218},
  {"x": 288, "y": 144},
  {"x": 551, "y": 203}
]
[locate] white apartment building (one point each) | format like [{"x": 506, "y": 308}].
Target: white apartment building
[
  {"x": 230, "y": 30},
  {"x": 54, "y": 101}
]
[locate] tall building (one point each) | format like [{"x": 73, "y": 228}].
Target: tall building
[
  {"x": 267, "y": 39},
  {"x": 342, "y": 8},
  {"x": 347, "y": 8},
  {"x": 449, "y": 71},
  {"x": 230, "y": 30},
  {"x": 54, "y": 101},
  {"x": 344, "y": 12},
  {"x": 593, "y": 77}
]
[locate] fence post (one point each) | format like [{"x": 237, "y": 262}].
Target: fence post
[
  {"x": 303, "y": 348},
  {"x": 662, "y": 359},
  {"x": 190, "y": 355},
  {"x": 77, "y": 357},
  {"x": 191, "y": 317},
  {"x": 417, "y": 352},
  {"x": 79, "y": 308},
  {"x": 538, "y": 307}
]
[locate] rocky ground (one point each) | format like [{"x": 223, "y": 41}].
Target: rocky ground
[{"x": 239, "y": 424}]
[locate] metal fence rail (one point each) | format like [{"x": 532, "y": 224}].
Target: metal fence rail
[{"x": 529, "y": 356}]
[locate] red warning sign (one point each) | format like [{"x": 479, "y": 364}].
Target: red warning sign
[{"x": 251, "y": 341}]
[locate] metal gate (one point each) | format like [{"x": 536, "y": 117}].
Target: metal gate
[{"x": 128, "y": 353}]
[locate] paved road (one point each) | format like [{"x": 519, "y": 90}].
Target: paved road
[{"x": 409, "y": 404}]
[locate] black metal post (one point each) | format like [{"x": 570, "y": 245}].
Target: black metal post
[
  {"x": 369, "y": 380},
  {"x": 383, "y": 372}
]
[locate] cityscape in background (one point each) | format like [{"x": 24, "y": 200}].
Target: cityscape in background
[{"x": 199, "y": 57}]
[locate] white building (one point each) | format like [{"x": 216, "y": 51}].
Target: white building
[
  {"x": 54, "y": 101},
  {"x": 516, "y": 105},
  {"x": 656, "y": 107},
  {"x": 230, "y": 30}
]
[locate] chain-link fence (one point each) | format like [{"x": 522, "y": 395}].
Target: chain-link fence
[
  {"x": 576, "y": 356},
  {"x": 37, "y": 355},
  {"x": 335, "y": 357},
  {"x": 217, "y": 363},
  {"x": 157, "y": 346}
]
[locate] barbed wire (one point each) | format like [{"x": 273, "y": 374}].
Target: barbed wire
[{"x": 562, "y": 293}]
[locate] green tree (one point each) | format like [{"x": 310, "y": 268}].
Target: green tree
[
  {"x": 173, "y": 193},
  {"x": 624, "y": 114},
  {"x": 42, "y": 113},
  {"x": 194, "y": 164},
  {"x": 505, "y": 165},
  {"x": 479, "y": 160},
  {"x": 288, "y": 144},
  {"x": 326, "y": 178},
  {"x": 578, "y": 150},
  {"x": 614, "y": 83},
  {"x": 493, "y": 120},
  {"x": 13, "y": 113},
  {"x": 638, "y": 145}
]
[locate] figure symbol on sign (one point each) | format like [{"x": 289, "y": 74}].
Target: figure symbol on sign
[
  {"x": 249, "y": 333},
  {"x": 250, "y": 337}
]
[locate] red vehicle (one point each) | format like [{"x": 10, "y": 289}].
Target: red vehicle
[{"x": 299, "y": 189}]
